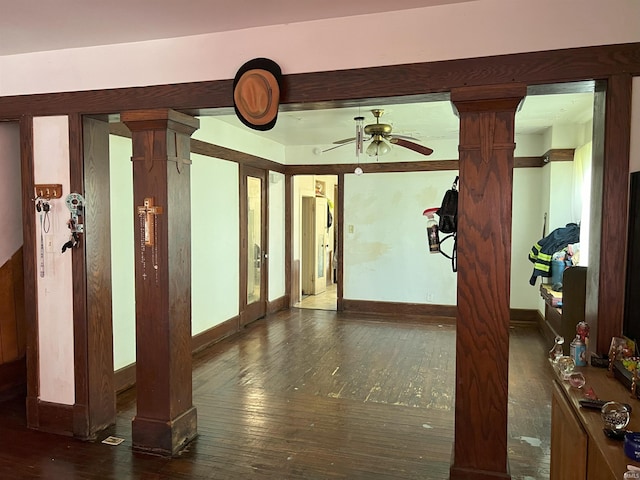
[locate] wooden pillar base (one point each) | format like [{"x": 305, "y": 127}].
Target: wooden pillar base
[
  {"x": 164, "y": 438},
  {"x": 462, "y": 473}
]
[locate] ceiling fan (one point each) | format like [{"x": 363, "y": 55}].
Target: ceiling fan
[{"x": 381, "y": 138}]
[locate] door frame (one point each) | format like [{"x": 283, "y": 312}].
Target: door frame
[{"x": 256, "y": 310}]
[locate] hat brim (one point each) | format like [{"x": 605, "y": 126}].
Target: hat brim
[{"x": 256, "y": 93}]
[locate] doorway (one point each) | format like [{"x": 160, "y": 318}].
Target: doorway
[{"x": 315, "y": 241}]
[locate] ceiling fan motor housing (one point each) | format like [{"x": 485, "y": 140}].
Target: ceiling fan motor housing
[{"x": 378, "y": 129}]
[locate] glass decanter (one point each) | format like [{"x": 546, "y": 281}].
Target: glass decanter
[{"x": 556, "y": 351}]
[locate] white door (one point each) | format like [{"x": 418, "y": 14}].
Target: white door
[{"x": 314, "y": 245}]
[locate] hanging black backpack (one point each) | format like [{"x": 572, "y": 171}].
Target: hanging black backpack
[
  {"x": 448, "y": 211},
  {"x": 448, "y": 223}
]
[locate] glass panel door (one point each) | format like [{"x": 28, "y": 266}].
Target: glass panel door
[
  {"x": 254, "y": 238},
  {"x": 253, "y": 259}
]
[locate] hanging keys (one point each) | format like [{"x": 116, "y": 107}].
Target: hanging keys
[
  {"x": 75, "y": 204},
  {"x": 73, "y": 241}
]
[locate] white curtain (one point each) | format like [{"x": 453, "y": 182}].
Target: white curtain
[{"x": 582, "y": 196}]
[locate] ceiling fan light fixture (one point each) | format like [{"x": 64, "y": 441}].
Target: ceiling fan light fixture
[{"x": 378, "y": 146}]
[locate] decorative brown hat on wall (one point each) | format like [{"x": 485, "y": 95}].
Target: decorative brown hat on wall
[{"x": 256, "y": 93}]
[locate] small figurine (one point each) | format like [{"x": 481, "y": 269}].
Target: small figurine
[{"x": 582, "y": 329}]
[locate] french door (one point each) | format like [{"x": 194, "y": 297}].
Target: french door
[{"x": 253, "y": 244}]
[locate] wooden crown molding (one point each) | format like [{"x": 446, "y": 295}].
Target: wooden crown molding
[{"x": 559, "y": 155}]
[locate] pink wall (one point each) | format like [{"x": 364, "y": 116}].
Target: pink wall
[
  {"x": 461, "y": 30},
  {"x": 55, "y": 288}
]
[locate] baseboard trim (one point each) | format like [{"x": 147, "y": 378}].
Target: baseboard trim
[
  {"x": 545, "y": 329},
  {"x": 124, "y": 378},
  {"x": 395, "y": 309},
  {"x": 524, "y": 316},
  {"x": 215, "y": 334},
  {"x": 278, "y": 304},
  {"x": 518, "y": 316},
  {"x": 53, "y": 418}
]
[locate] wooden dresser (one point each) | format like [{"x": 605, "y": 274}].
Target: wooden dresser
[{"x": 579, "y": 448}]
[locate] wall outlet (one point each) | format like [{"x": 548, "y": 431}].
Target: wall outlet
[
  {"x": 48, "y": 243},
  {"x": 429, "y": 297},
  {"x": 350, "y": 228}
]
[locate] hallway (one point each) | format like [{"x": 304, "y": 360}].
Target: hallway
[
  {"x": 309, "y": 394},
  {"x": 326, "y": 300}
]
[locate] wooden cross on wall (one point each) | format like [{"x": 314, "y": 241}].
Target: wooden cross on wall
[{"x": 149, "y": 210}]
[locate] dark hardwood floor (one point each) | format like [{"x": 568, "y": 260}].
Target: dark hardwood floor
[{"x": 310, "y": 394}]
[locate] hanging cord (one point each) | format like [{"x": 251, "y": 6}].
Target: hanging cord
[
  {"x": 46, "y": 208},
  {"x": 39, "y": 208},
  {"x": 454, "y": 252}
]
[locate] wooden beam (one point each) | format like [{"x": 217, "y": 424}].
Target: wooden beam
[
  {"x": 328, "y": 89},
  {"x": 559, "y": 155}
]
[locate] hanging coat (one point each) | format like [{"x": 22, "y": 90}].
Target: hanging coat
[{"x": 542, "y": 252}]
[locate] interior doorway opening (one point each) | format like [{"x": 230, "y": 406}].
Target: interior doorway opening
[{"x": 315, "y": 242}]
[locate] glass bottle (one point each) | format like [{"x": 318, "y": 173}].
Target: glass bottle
[
  {"x": 433, "y": 235},
  {"x": 557, "y": 350}
]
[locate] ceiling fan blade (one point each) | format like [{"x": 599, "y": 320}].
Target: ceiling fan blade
[
  {"x": 338, "y": 146},
  {"x": 406, "y": 137},
  {"x": 412, "y": 146},
  {"x": 346, "y": 140}
]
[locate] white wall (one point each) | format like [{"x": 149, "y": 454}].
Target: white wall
[
  {"x": 214, "y": 246},
  {"x": 560, "y": 195},
  {"x": 243, "y": 139},
  {"x": 386, "y": 255},
  {"x": 276, "y": 236},
  {"x": 215, "y": 242},
  {"x": 527, "y": 217},
  {"x": 10, "y": 191},
  {"x": 122, "y": 254},
  {"x": 494, "y": 27},
  {"x": 55, "y": 289}
]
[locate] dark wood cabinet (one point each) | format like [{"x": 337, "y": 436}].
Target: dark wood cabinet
[{"x": 563, "y": 320}]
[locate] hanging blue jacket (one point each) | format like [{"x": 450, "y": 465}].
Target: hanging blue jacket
[{"x": 542, "y": 252}]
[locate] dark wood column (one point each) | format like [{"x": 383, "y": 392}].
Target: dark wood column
[
  {"x": 604, "y": 309},
  {"x": 95, "y": 405},
  {"x": 165, "y": 419},
  {"x": 487, "y": 117}
]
